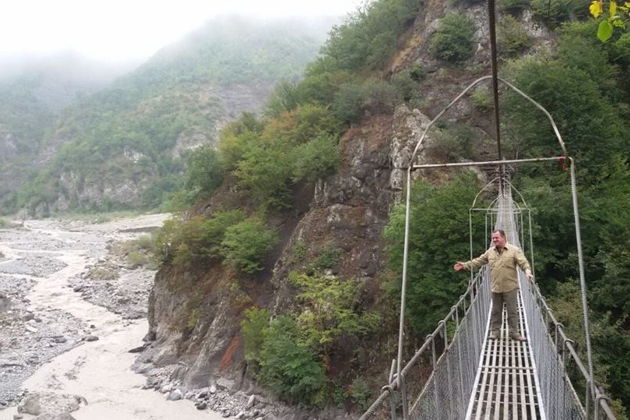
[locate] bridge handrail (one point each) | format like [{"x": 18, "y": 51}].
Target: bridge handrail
[
  {"x": 555, "y": 330},
  {"x": 395, "y": 385}
]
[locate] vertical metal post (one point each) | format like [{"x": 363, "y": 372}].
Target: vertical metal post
[
  {"x": 403, "y": 292},
  {"x": 470, "y": 237},
  {"x": 531, "y": 244},
  {"x": 578, "y": 238},
  {"x": 392, "y": 394},
  {"x": 448, "y": 370},
  {"x": 495, "y": 79}
]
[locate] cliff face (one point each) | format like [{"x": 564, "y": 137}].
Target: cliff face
[{"x": 195, "y": 316}]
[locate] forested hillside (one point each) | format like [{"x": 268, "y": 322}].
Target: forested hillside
[
  {"x": 295, "y": 237},
  {"x": 34, "y": 90},
  {"x": 126, "y": 146}
]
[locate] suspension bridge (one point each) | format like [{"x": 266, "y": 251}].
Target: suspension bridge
[
  {"x": 468, "y": 375},
  {"x": 459, "y": 372}
]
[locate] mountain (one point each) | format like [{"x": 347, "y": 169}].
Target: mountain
[
  {"x": 34, "y": 90},
  {"x": 125, "y": 146}
]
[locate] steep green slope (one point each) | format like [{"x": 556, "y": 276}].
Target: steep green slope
[{"x": 125, "y": 146}]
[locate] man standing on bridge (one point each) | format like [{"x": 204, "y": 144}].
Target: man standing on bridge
[{"x": 502, "y": 259}]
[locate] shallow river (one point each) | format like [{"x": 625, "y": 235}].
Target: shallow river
[{"x": 98, "y": 371}]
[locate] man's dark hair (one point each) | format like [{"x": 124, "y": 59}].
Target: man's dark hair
[{"x": 501, "y": 232}]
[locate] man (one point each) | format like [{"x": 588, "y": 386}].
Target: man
[{"x": 502, "y": 259}]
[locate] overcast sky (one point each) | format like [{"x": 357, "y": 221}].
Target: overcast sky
[{"x": 117, "y": 30}]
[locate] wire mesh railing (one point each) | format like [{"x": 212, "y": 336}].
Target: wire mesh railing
[
  {"x": 451, "y": 359},
  {"x": 438, "y": 381}
]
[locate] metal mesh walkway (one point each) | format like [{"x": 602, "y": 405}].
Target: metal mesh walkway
[{"x": 507, "y": 385}]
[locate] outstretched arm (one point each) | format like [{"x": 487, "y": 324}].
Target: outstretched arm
[{"x": 474, "y": 263}]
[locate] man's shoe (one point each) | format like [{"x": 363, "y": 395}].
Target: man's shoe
[
  {"x": 494, "y": 335},
  {"x": 517, "y": 337}
]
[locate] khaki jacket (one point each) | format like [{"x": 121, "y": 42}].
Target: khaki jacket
[{"x": 503, "y": 276}]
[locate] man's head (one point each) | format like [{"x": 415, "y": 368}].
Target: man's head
[{"x": 498, "y": 238}]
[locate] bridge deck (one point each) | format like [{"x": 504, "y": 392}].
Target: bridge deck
[{"x": 506, "y": 386}]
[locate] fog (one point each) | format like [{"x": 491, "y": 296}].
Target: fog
[{"x": 120, "y": 31}]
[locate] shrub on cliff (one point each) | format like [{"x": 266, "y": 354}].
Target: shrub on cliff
[
  {"x": 246, "y": 245},
  {"x": 452, "y": 41},
  {"x": 281, "y": 360},
  {"x": 195, "y": 240}
]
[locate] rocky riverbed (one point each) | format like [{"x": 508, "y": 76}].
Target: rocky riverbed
[{"x": 71, "y": 309}]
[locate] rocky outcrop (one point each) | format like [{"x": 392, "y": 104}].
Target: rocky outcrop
[{"x": 195, "y": 314}]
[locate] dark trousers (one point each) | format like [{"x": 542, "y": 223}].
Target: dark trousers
[{"x": 511, "y": 303}]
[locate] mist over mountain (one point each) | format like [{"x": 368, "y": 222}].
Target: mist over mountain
[{"x": 107, "y": 143}]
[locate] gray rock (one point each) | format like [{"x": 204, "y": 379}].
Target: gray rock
[
  {"x": 60, "y": 339},
  {"x": 54, "y": 403},
  {"x": 213, "y": 389},
  {"x": 225, "y": 383},
  {"x": 251, "y": 402},
  {"x": 49, "y": 416},
  {"x": 91, "y": 338},
  {"x": 175, "y": 395},
  {"x": 201, "y": 405}
]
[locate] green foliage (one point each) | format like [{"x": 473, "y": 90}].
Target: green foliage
[
  {"x": 512, "y": 37},
  {"x": 297, "y": 145},
  {"x": 205, "y": 171},
  {"x": 450, "y": 143},
  {"x": 554, "y": 12},
  {"x": 3, "y": 223},
  {"x": 315, "y": 159},
  {"x": 328, "y": 257},
  {"x": 482, "y": 99},
  {"x": 368, "y": 37},
  {"x": 285, "y": 365},
  {"x": 330, "y": 309},
  {"x": 196, "y": 240},
  {"x": 246, "y": 244},
  {"x": 237, "y": 137},
  {"x": 590, "y": 117},
  {"x": 453, "y": 40},
  {"x": 360, "y": 393},
  {"x": 513, "y": 6},
  {"x": 253, "y": 328},
  {"x": 610, "y": 341},
  {"x": 438, "y": 238}
]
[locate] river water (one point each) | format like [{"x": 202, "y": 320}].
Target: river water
[{"x": 39, "y": 260}]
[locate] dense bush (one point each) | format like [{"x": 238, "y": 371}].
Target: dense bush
[
  {"x": 282, "y": 362},
  {"x": 554, "y": 12},
  {"x": 512, "y": 37},
  {"x": 369, "y": 37},
  {"x": 453, "y": 39},
  {"x": 438, "y": 238},
  {"x": 195, "y": 240},
  {"x": 272, "y": 160},
  {"x": 246, "y": 244},
  {"x": 315, "y": 159},
  {"x": 205, "y": 171},
  {"x": 513, "y": 6},
  {"x": 330, "y": 310}
]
